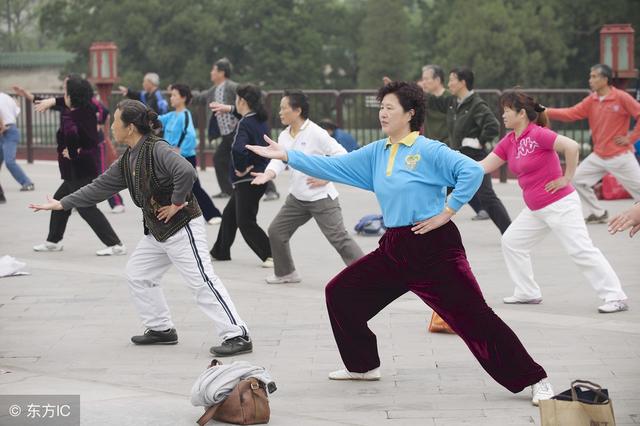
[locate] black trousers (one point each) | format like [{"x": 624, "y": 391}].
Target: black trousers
[
  {"x": 486, "y": 197},
  {"x": 209, "y": 210},
  {"x": 241, "y": 212},
  {"x": 222, "y": 163},
  {"x": 94, "y": 217}
]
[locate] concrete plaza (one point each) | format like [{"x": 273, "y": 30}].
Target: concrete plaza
[{"x": 65, "y": 328}]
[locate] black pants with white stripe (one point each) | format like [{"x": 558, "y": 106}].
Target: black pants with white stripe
[{"x": 186, "y": 250}]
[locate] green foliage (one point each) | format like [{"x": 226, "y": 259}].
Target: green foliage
[
  {"x": 385, "y": 43},
  {"x": 340, "y": 44}
]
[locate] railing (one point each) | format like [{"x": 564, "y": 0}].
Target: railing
[{"x": 356, "y": 111}]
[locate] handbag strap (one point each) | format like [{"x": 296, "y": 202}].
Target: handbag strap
[
  {"x": 208, "y": 415},
  {"x": 596, "y": 388},
  {"x": 184, "y": 130}
]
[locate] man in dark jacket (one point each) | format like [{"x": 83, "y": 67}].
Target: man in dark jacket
[{"x": 471, "y": 124}]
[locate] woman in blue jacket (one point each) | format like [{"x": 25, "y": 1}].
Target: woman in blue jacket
[
  {"x": 421, "y": 251},
  {"x": 242, "y": 208},
  {"x": 179, "y": 132}
]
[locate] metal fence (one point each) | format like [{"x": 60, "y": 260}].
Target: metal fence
[{"x": 356, "y": 111}]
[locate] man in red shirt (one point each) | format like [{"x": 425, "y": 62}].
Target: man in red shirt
[{"x": 609, "y": 111}]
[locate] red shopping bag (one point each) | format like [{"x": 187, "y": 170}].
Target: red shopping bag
[{"x": 612, "y": 190}]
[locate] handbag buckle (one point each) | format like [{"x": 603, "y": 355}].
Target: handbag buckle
[{"x": 255, "y": 385}]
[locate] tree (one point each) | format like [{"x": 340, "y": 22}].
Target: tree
[
  {"x": 19, "y": 26},
  {"x": 385, "y": 43},
  {"x": 276, "y": 43},
  {"x": 502, "y": 51}
]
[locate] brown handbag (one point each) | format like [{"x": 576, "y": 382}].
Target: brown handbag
[
  {"x": 438, "y": 325},
  {"x": 247, "y": 404}
]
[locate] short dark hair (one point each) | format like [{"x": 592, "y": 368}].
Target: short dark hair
[
  {"x": 79, "y": 91},
  {"x": 464, "y": 74},
  {"x": 298, "y": 100},
  {"x": 184, "y": 91},
  {"x": 410, "y": 96},
  {"x": 605, "y": 71},
  {"x": 436, "y": 71},
  {"x": 225, "y": 66},
  {"x": 327, "y": 124}
]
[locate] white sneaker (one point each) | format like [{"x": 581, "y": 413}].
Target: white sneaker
[
  {"x": 343, "y": 374},
  {"x": 541, "y": 391},
  {"x": 48, "y": 246},
  {"x": 112, "y": 251},
  {"x": 289, "y": 278},
  {"x": 512, "y": 300},
  {"x": 268, "y": 263},
  {"x": 613, "y": 306},
  {"x": 117, "y": 209},
  {"x": 215, "y": 220}
]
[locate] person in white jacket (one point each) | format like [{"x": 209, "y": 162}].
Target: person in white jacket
[{"x": 308, "y": 197}]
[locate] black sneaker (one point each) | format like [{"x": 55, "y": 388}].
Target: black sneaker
[
  {"x": 150, "y": 337},
  {"x": 27, "y": 187},
  {"x": 234, "y": 346},
  {"x": 592, "y": 218},
  {"x": 2, "y": 199}
]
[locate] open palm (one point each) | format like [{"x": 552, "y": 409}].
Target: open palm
[{"x": 273, "y": 150}]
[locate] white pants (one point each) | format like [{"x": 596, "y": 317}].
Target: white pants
[
  {"x": 564, "y": 218},
  {"x": 187, "y": 250},
  {"x": 623, "y": 167}
]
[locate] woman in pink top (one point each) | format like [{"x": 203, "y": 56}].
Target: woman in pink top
[{"x": 552, "y": 205}]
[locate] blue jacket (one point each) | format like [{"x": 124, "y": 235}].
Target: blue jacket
[
  {"x": 173, "y": 125},
  {"x": 345, "y": 139}
]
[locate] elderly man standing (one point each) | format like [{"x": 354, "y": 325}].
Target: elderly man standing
[
  {"x": 609, "y": 112},
  {"x": 151, "y": 95},
  {"x": 223, "y": 92}
]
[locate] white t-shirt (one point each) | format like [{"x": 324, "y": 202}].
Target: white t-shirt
[
  {"x": 9, "y": 109},
  {"x": 311, "y": 140}
]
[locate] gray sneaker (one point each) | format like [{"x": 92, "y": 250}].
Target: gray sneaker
[
  {"x": 271, "y": 196},
  {"x": 151, "y": 337},
  {"x": 234, "y": 346},
  {"x": 592, "y": 218},
  {"x": 482, "y": 215}
]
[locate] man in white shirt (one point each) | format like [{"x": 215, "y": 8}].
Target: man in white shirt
[
  {"x": 308, "y": 197},
  {"x": 9, "y": 139}
]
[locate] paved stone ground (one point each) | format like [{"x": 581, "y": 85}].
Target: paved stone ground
[{"x": 65, "y": 328}]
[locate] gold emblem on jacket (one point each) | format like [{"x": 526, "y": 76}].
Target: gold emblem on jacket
[{"x": 411, "y": 161}]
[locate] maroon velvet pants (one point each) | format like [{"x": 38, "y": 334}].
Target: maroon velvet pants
[{"x": 434, "y": 267}]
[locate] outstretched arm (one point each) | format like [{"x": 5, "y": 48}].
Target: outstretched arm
[
  {"x": 352, "y": 169},
  {"x": 491, "y": 163}
]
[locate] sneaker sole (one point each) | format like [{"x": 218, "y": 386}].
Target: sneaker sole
[
  {"x": 246, "y": 351},
  {"x": 374, "y": 379},
  {"x": 284, "y": 282},
  {"x": 175, "y": 342},
  {"x": 524, "y": 302},
  {"x": 613, "y": 312}
]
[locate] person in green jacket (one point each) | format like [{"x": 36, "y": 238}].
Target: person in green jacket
[
  {"x": 432, "y": 82},
  {"x": 471, "y": 124}
]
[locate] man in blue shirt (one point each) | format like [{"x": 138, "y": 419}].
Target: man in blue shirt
[{"x": 344, "y": 138}]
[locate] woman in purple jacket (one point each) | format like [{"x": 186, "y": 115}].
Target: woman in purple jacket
[{"x": 77, "y": 146}]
